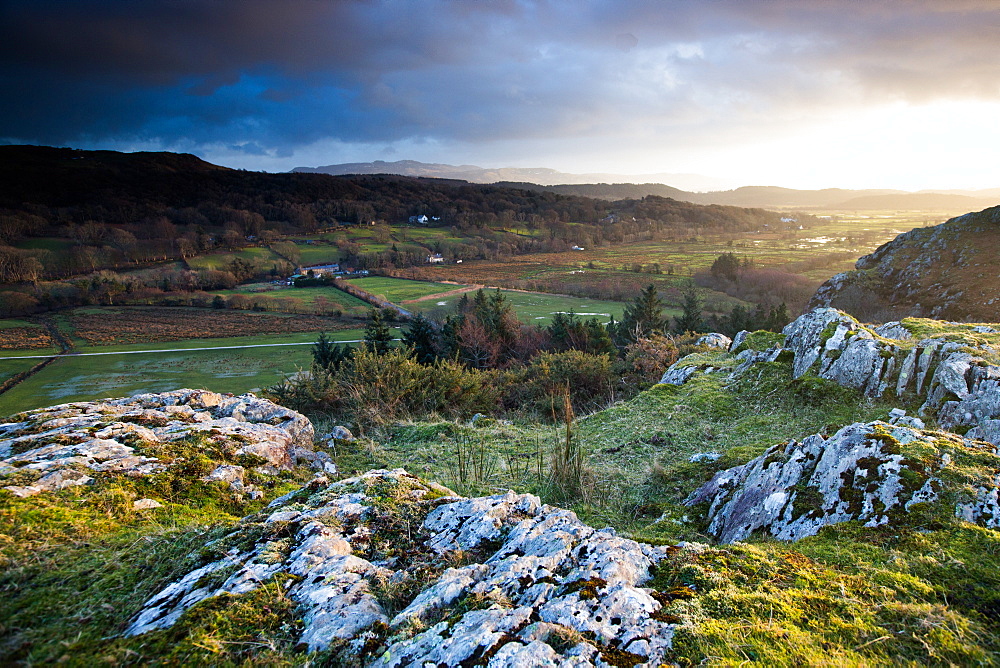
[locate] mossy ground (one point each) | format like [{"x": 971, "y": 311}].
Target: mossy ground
[
  {"x": 921, "y": 591},
  {"x": 77, "y": 565}
]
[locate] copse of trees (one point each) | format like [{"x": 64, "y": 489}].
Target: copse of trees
[
  {"x": 773, "y": 318},
  {"x": 481, "y": 357},
  {"x": 740, "y": 278},
  {"x": 729, "y": 266}
]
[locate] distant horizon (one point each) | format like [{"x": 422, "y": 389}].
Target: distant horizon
[
  {"x": 635, "y": 179},
  {"x": 641, "y": 179}
]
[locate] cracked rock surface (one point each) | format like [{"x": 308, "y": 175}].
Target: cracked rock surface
[
  {"x": 869, "y": 472},
  {"x": 392, "y": 571},
  {"x": 53, "y": 448},
  {"x": 957, "y": 384}
]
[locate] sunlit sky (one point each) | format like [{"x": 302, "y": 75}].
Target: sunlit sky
[{"x": 796, "y": 93}]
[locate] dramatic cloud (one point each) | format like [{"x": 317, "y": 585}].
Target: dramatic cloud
[{"x": 655, "y": 84}]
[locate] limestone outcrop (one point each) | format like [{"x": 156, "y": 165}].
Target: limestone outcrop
[
  {"x": 391, "y": 571},
  {"x": 947, "y": 271},
  {"x": 958, "y": 385},
  {"x": 952, "y": 376},
  {"x": 70, "y": 444},
  {"x": 870, "y": 472}
]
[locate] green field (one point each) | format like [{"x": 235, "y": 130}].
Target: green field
[
  {"x": 10, "y": 323},
  {"x": 221, "y": 260},
  {"x": 535, "y": 308},
  {"x": 302, "y": 300},
  {"x": 88, "y": 378},
  {"x": 9, "y": 368},
  {"x": 312, "y": 254},
  {"x": 398, "y": 290},
  {"x": 53, "y": 244}
]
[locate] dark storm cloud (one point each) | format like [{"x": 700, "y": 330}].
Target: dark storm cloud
[{"x": 270, "y": 75}]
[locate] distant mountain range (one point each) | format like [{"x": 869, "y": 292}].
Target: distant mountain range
[
  {"x": 542, "y": 176},
  {"x": 619, "y": 186}
]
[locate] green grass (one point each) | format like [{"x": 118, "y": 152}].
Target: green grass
[
  {"x": 923, "y": 328},
  {"x": 302, "y": 300},
  {"x": 311, "y": 254},
  {"x": 10, "y": 368},
  {"x": 53, "y": 244},
  {"x": 79, "y": 563},
  {"x": 222, "y": 260},
  {"x": 638, "y": 450},
  {"x": 536, "y": 308},
  {"x": 923, "y": 590},
  {"x": 96, "y": 377},
  {"x": 422, "y": 235},
  {"x": 398, "y": 290},
  {"x": 9, "y": 323}
]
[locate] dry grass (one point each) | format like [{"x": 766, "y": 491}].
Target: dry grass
[
  {"x": 144, "y": 325},
  {"x": 25, "y": 338}
]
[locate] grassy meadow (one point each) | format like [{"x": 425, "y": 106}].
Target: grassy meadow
[
  {"x": 177, "y": 331},
  {"x": 827, "y": 244},
  {"x": 399, "y": 290},
  {"x": 320, "y": 300},
  {"x": 534, "y": 308},
  {"x": 222, "y": 260},
  {"x": 85, "y": 378}
]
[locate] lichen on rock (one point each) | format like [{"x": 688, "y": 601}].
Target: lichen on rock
[
  {"x": 71, "y": 444},
  {"x": 491, "y": 580},
  {"x": 869, "y": 472}
]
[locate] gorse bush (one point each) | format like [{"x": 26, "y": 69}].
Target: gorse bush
[
  {"x": 382, "y": 388},
  {"x": 538, "y": 387},
  {"x": 373, "y": 389}
]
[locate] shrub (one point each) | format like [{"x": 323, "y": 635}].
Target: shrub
[
  {"x": 649, "y": 357},
  {"x": 540, "y": 385}
]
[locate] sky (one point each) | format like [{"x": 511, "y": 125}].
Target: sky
[{"x": 794, "y": 93}]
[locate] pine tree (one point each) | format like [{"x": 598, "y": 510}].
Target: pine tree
[
  {"x": 777, "y": 318},
  {"x": 739, "y": 318},
  {"x": 598, "y": 338},
  {"x": 643, "y": 317},
  {"x": 329, "y": 355},
  {"x": 449, "y": 335},
  {"x": 691, "y": 320},
  {"x": 423, "y": 338},
  {"x": 378, "y": 336},
  {"x": 559, "y": 330}
]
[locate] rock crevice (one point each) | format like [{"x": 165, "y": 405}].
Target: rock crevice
[
  {"x": 70, "y": 444},
  {"x": 502, "y": 580}
]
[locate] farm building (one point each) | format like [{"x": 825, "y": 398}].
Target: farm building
[{"x": 320, "y": 269}]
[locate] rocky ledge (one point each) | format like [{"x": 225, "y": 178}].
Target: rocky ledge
[
  {"x": 391, "y": 571},
  {"x": 870, "y": 472},
  {"x": 951, "y": 376},
  {"x": 944, "y": 271},
  {"x": 61, "y": 446}
]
